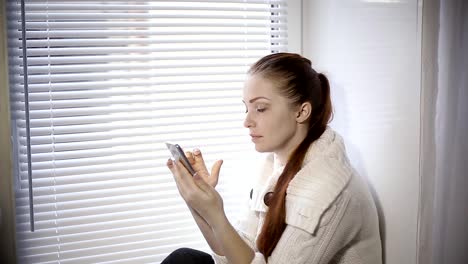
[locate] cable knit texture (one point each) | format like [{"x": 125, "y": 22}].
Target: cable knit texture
[{"x": 330, "y": 214}]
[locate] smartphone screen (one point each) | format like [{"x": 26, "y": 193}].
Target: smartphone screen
[{"x": 178, "y": 154}]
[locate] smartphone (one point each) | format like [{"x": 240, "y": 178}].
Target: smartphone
[{"x": 178, "y": 154}]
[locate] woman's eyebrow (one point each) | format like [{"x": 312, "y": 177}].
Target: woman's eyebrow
[{"x": 256, "y": 98}]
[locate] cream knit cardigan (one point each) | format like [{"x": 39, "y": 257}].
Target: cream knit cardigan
[{"x": 330, "y": 214}]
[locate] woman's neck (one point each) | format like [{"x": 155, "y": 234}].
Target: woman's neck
[{"x": 285, "y": 152}]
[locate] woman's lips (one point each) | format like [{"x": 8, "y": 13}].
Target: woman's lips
[{"x": 255, "y": 137}]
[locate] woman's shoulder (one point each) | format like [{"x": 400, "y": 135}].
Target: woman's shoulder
[
  {"x": 325, "y": 179},
  {"x": 314, "y": 189},
  {"x": 325, "y": 171}
]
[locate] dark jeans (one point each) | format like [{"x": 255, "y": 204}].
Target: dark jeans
[{"x": 188, "y": 256}]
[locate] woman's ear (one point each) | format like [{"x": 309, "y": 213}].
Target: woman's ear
[{"x": 304, "y": 112}]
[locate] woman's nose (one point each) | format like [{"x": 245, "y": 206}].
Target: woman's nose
[{"x": 248, "y": 121}]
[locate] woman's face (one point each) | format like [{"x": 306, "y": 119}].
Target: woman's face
[{"x": 270, "y": 117}]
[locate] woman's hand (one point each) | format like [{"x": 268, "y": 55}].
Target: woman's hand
[
  {"x": 196, "y": 160},
  {"x": 207, "y": 204},
  {"x": 197, "y": 193}
]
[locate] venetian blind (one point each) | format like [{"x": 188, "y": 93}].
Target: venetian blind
[{"x": 108, "y": 83}]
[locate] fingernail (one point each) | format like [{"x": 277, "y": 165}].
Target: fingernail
[
  {"x": 196, "y": 151},
  {"x": 169, "y": 162}
]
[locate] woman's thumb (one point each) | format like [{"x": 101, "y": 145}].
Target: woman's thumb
[{"x": 216, "y": 168}]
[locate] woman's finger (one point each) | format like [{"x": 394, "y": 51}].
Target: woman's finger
[
  {"x": 190, "y": 157},
  {"x": 185, "y": 179},
  {"x": 198, "y": 156},
  {"x": 215, "y": 169},
  {"x": 199, "y": 166},
  {"x": 175, "y": 167},
  {"x": 170, "y": 165}
]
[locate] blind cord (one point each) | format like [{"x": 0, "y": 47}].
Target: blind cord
[{"x": 26, "y": 106}]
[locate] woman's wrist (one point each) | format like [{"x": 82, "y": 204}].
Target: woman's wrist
[
  {"x": 218, "y": 221},
  {"x": 235, "y": 249}
]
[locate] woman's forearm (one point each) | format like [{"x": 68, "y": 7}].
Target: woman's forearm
[
  {"x": 235, "y": 249},
  {"x": 207, "y": 233}
]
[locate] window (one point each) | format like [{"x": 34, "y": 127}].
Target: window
[{"x": 108, "y": 82}]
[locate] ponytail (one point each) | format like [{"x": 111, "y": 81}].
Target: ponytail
[{"x": 275, "y": 219}]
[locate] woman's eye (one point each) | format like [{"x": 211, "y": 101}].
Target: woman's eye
[{"x": 261, "y": 110}]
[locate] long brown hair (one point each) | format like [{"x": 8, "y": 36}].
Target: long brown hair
[{"x": 296, "y": 80}]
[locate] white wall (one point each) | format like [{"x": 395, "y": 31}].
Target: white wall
[{"x": 371, "y": 53}]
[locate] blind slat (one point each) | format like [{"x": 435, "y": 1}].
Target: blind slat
[
  {"x": 143, "y": 50},
  {"x": 58, "y": 69},
  {"x": 107, "y": 155},
  {"x": 125, "y": 236},
  {"x": 108, "y": 176},
  {"x": 47, "y": 142},
  {"x": 132, "y": 24},
  {"x": 51, "y": 6},
  {"x": 178, "y": 84},
  {"x": 146, "y": 162},
  {"x": 153, "y": 15},
  {"x": 148, "y": 41},
  {"x": 241, "y": 31},
  {"x": 72, "y": 77},
  {"x": 177, "y": 127}
]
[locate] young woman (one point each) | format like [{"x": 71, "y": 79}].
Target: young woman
[{"x": 308, "y": 206}]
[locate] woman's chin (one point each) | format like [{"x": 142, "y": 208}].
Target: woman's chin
[{"x": 260, "y": 148}]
